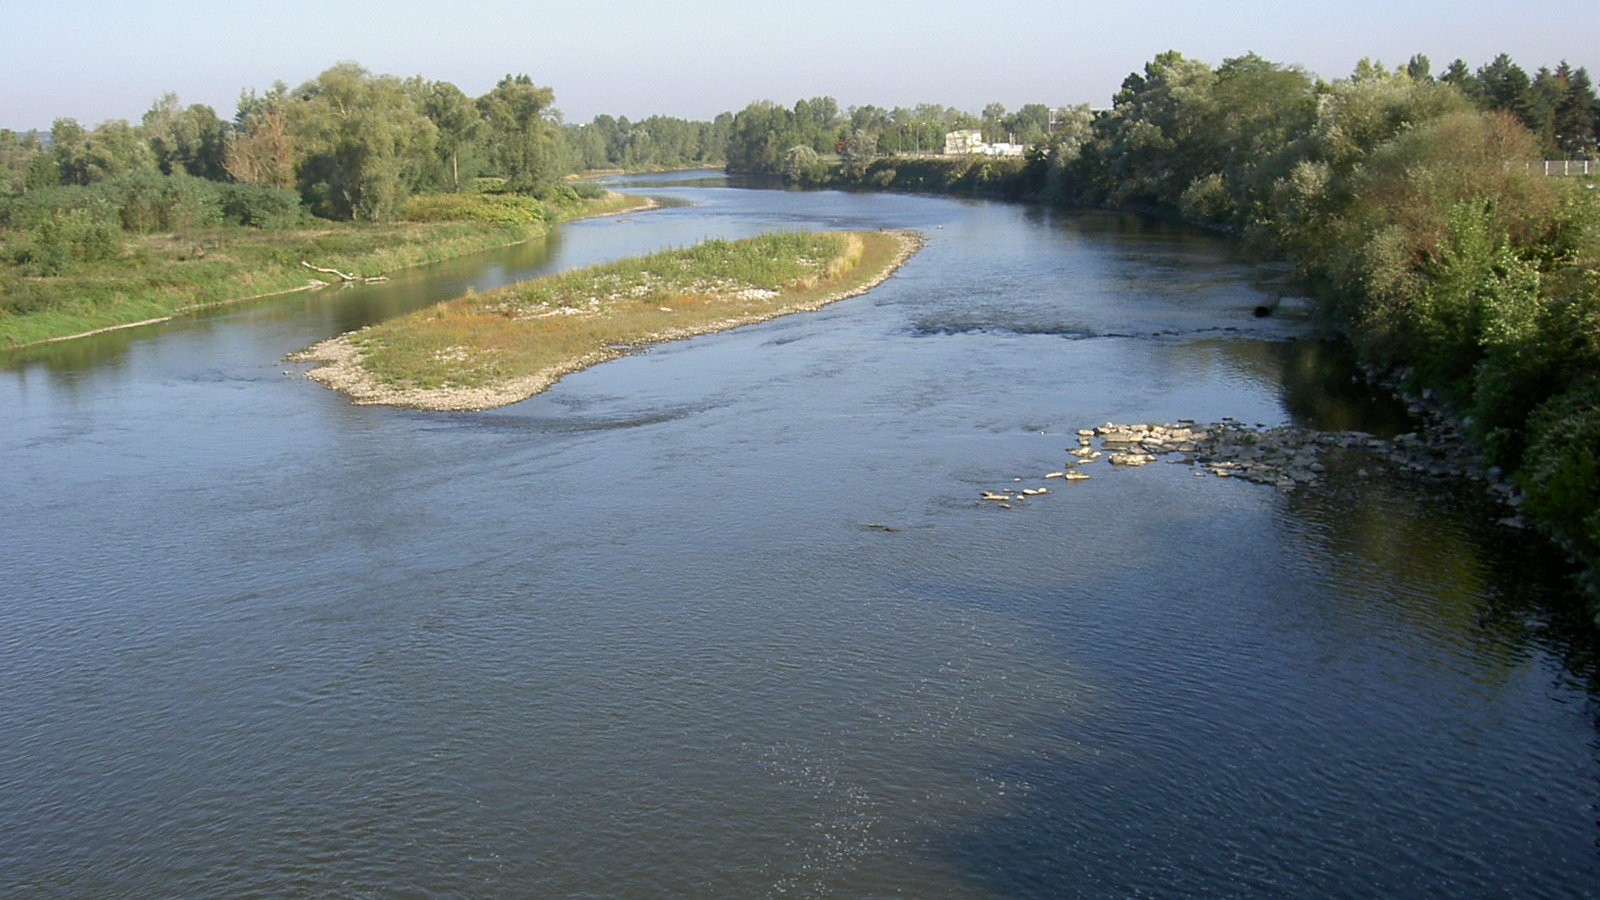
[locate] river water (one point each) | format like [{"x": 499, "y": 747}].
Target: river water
[{"x": 639, "y": 637}]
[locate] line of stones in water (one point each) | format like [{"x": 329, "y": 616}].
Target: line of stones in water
[{"x": 1286, "y": 457}]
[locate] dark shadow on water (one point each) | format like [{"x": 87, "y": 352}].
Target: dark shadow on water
[
  {"x": 1317, "y": 792},
  {"x": 1324, "y": 389}
]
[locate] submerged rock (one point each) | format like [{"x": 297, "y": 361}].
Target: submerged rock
[{"x": 1285, "y": 457}]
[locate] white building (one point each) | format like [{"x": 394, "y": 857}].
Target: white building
[{"x": 970, "y": 142}]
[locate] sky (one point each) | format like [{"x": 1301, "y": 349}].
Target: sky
[{"x": 94, "y": 60}]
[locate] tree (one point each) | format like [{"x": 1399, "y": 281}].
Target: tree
[
  {"x": 366, "y": 143},
  {"x": 1575, "y": 115},
  {"x": 456, "y": 118},
  {"x": 262, "y": 148},
  {"x": 860, "y": 150},
  {"x": 1507, "y": 87},
  {"x": 187, "y": 140},
  {"x": 1028, "y": 125},
  {"x": 19, "y": 154},
  {"x": 113, "y": 148},
  {"x": 756, "y": 142},
  {"x": 1419, "y": 68},
  {"x": 994, "y": 127},
  {"x": 1154, "y": 143},
  {"x": 1461, "y": 78},
  {"x": 522, "y": 134}
]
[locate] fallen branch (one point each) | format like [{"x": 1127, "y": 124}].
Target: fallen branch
[{"x": 343, "y": 276}]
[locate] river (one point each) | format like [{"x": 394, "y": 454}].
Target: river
[{"x": 726, "y": 619}]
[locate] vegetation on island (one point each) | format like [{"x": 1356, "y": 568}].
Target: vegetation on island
[{"x": 496, "y": 347}]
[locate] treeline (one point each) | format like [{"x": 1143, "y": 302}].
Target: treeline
[
  {"x": 815, "y": 143},
  {"x": 658, "y": 142},
  {"x": 1406, "y": 200},
  {"x": 354, "y": 145},
  {"x": 346, "y": 145}
]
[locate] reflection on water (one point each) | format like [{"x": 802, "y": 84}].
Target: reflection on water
[{"x": 725, "y": 619}]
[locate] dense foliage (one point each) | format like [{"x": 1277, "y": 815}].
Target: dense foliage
[
  {"x": 351, "y": 144},
  {"x": 658, "y": 142}
]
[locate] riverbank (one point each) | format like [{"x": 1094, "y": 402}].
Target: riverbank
[
  {"x": 481, "y": 351},
  {"x": 160, "y": 277}
]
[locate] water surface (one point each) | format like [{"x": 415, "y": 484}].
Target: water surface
[{"x": 637, "y": 636}]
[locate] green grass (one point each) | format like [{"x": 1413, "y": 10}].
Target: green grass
[
  {"x": 159, "y": 275},
  {"x": 561, "y": 323}
]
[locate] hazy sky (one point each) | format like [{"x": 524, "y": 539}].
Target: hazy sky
[{"x": 95, "y": 60}]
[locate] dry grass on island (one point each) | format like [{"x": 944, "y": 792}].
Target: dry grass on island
[{"x": 483, "y": 350}]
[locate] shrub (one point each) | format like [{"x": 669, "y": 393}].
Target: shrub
[
  {"x": 501, "y": 209},
  {"x": 43, "y": 204},
  {"x": 150, "y": 202},
  {"x": 58, "y": 243},
  {"x": 1560, "y": 475},
  {"x": 261, "y": 206}
]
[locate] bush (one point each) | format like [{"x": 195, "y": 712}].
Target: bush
[
  {"x": 500, "y": 209},
  {"x": 260, "y": 206},
  {"x": 149, "y": 202},
  {"x": 1560, "y": 475},
  {"x": 57, "y": 244},
  {"x": 42, "y": 204}
]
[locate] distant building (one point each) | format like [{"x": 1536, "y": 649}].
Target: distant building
[
  {"x": 969, "y": 142},
  {"x": 960, "y": 143}
]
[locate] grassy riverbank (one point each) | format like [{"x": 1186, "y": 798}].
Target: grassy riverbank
[
  {"x": 488, "y": 349},
  {"x": 156, "y": 276}
]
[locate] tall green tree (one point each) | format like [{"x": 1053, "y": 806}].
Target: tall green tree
[
  {"x": 1576, "y": 118},
  {"x": 366, "y": 142},
  {"x": 459, "y": 125},
  {"x": 186, "y": 140},
  {"x": 761, "y": 135},
  {"x": 521, "y": 130},
  {"x": 113, "y": 148},
  {"x": 18, "y": 153},
  {"x": 1507, "y": 87},
  {"x": 1154, "y": 143},
  {"x": 1459, "y": 76}
]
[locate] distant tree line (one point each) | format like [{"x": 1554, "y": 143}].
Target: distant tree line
[
  {"x": 352, "y": 144},
  {"x": 658, "y": 142}
]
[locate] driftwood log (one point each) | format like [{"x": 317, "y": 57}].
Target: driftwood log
[{"x": 345, "y": 277}]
